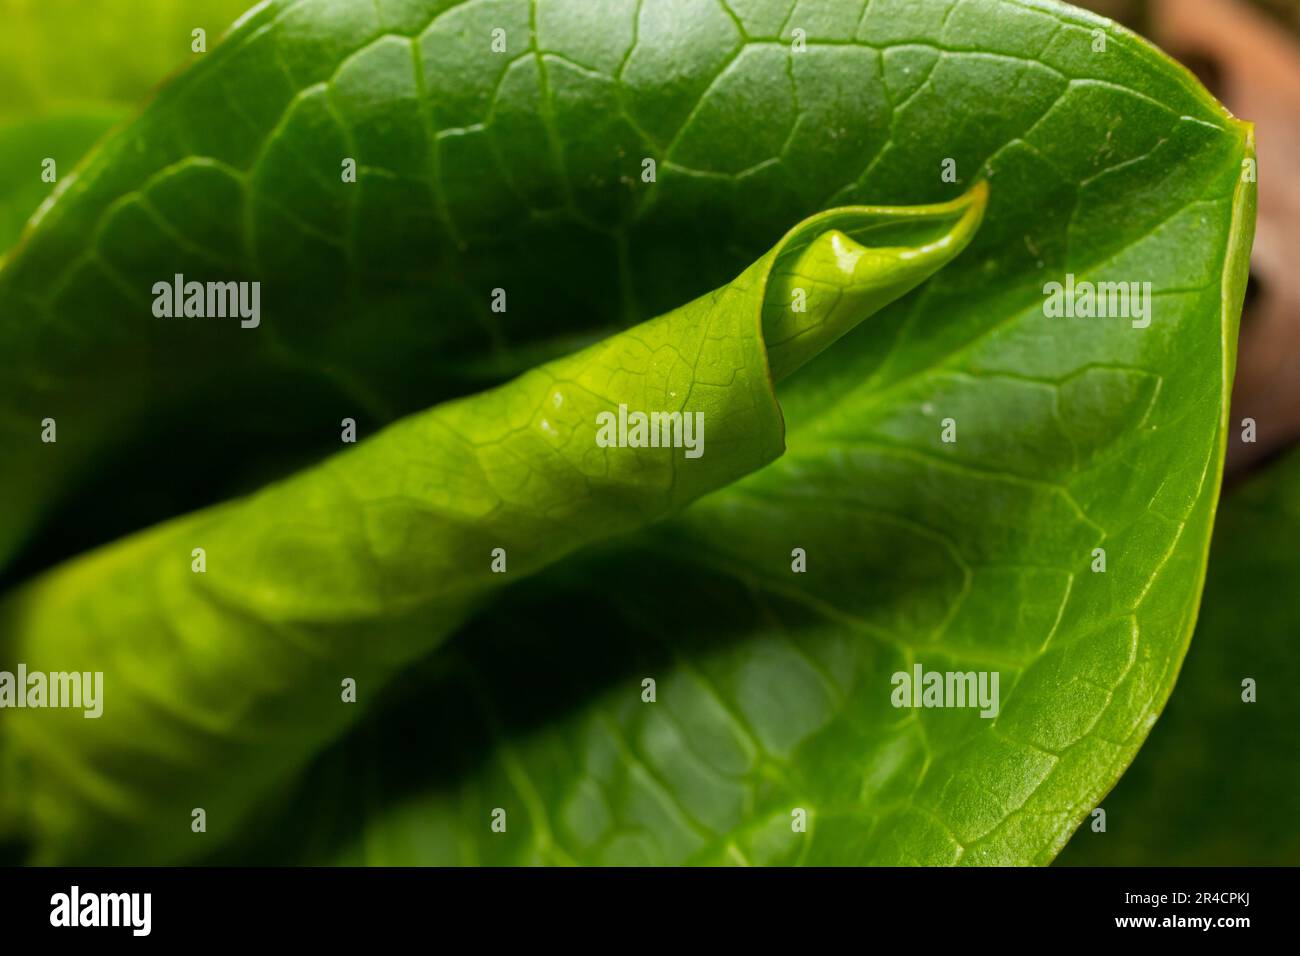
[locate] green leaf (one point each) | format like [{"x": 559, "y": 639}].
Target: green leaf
[
  {"x": 481, "y": 171},
  {"x": 370, "y": 560},
  {"x": 1213, "y": 786}
]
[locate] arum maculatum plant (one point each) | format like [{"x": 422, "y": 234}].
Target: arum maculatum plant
[{"x": 607, "y": 427}]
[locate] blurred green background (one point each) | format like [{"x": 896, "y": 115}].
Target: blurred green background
[{"x": 72, "y": 69}]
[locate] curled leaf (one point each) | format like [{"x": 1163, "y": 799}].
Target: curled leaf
[{"x": 370, "y": 560}]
